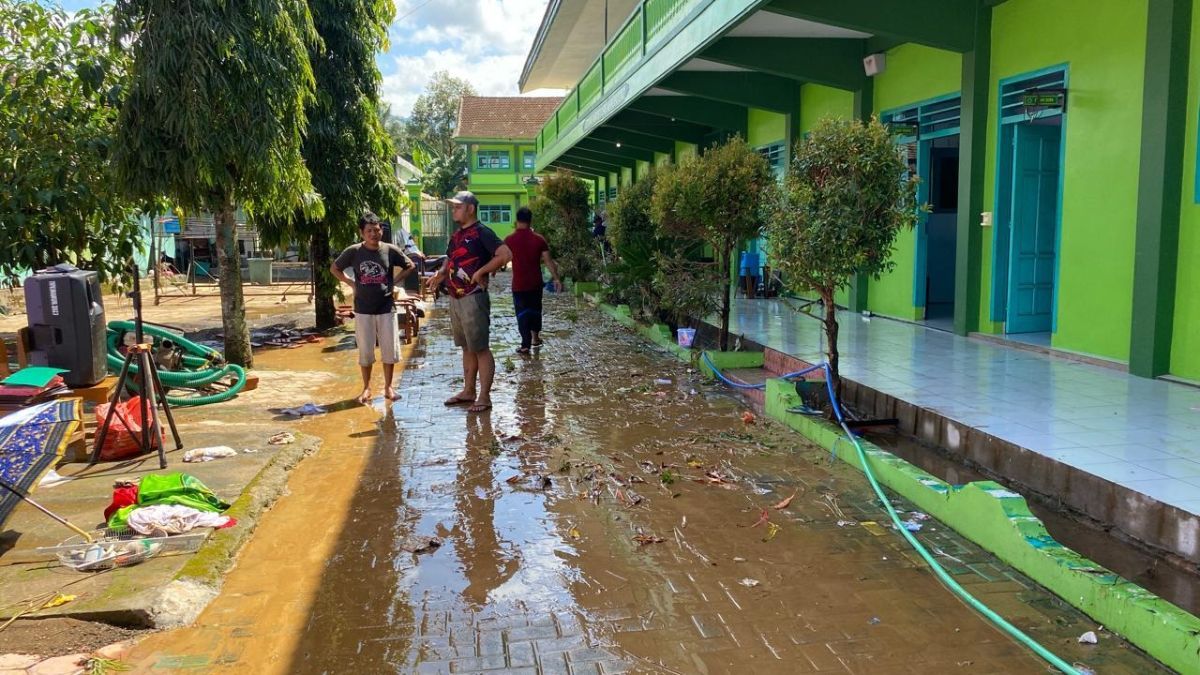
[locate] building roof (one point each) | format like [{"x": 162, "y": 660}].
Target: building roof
[
  {"x": 516, "y": 117},
  {"x": 569, "y": 39}
]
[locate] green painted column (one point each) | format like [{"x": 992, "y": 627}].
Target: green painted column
[
  {"x": 1160, "y": 185},
  {"x": 413, "y": 188},
  {"x": 972, "y": 157},
  {"x": 864, "y": 108}
]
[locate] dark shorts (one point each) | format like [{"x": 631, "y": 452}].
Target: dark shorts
[{"x": 471, "y": 321}]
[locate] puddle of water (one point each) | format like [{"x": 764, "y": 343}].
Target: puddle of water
[{"x": 594, "y": 517}]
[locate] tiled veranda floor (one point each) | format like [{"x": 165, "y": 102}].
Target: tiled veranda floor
[{"x": 1140, "y": 433}]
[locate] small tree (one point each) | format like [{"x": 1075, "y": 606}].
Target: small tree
[
  {"x": 846, "y": 196},
  {"x": 61, "y": 83},
  {"x": 560, "y": 213},
  {"x": 214, "y": 118},
  {"x": 635, "y": 241},
  {"x": 347, "y": 148},
  {"x": 718, "y": 198}
]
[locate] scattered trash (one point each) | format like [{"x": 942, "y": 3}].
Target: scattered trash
[
  {"x": 420, "y": 544},
  {"x": 772, "y": 530},
  {"x": 58, "y": 600},
  {"x": 302, "y": 411},
  {"x": 53, "y": 478},
  {"x": 209, "y": 454},
  {"x": 248, "y": 451},
  {"x": 911, "y": 525},
  {"x": 918, "y": 516},
  {"x": 1088, "y": 638},
  {"x": 748, "y": 417},
  {"x": 644, "y": 539},
  {"x": 874, "y": 621},
  {"x": 683, "y": 523},
  {"x": 749, "y": 583},
  {"x": 543, "y": 483},
  {"x": 738, "y": 559},
  {"x": 784, "y": 504},
  {"x": 846, "y": 523},
  {"x": 662, "y": 381},
  {"x": 1083, "y": 670},
  {"x": 762, "y": 518},
  {"x": 282, "y": 438}
]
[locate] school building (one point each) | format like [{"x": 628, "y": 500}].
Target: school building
[
  {"x": 1055, "y": 140},
  {"x": 498, "y": 133}
]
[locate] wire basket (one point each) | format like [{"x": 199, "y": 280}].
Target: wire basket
[{"x": 118, "y": 548}]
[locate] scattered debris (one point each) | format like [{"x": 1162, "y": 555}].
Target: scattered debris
[
  {"x": 846, "y": 523},
  {"x": 772, "y": 530},
  {"x": 282, "y": 438},
  {"x": 662, "y": 382},
  {"x": 1088, "y": 638},
  {"x": 302, "y": 411},
  {"x": 748, "y": 417},
  {"x": 874, "y": 621},
  {"x": 209, "y": 454},
  {"x": 542, "y": 483},
  {"x": 420, "y": 544},
  {"x": 762, "y": 518},
  {"x": 574, "y": 533},
  {"x": 738, "y": 559},
  {"x": 784, "y": 504},
  {"x": 749, "y": 583},
  {"x": 911, "y": 525},
  {"x": 644, "y": 539}
]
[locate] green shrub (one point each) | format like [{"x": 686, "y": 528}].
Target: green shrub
[
  {"x": 560, "y": 213},
  {"x": 846, "y": 196}
]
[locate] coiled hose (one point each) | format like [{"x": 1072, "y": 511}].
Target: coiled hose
[
  {"x": 204, "y": 363},
  {"x": 939, "y": 571}
]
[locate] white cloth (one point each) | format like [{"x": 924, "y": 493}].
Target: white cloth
[
  {"x": 209, "y": 454},
  {"x": 161, "y": 520}
]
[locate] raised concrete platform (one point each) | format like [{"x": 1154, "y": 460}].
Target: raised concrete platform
[{"x": 1120, "y": 449}]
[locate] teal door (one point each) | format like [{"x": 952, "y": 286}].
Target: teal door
[{"x": 1034, "y": 231}]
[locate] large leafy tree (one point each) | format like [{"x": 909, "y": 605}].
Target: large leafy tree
[
  {"x": 215, "y": 116},
  {"x": 347, "y": 149},
  {"x": 60, "y": 86},
  {"x": 430, "y": 131},
  {"x": 719, "y": 198},
  {"x": 847, "y": 195}
]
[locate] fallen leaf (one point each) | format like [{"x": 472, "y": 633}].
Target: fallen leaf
[
  {"x": 784, "y": 504},
  {"x": 574, "y": 532},
  {"x": 748, "y": 417},
  {"x": 772, "y": 530},
  {"x": 513, "y": 479},
  {"x": 762, "y": 518},
  {"x": 645, "y": 539}
]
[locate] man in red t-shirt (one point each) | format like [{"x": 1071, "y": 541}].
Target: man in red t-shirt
[{"x": 529, "y": 252}]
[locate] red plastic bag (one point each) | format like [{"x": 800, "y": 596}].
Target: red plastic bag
[{"x": 125, "y": 434}]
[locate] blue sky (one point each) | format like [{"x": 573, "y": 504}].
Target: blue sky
[{"x": 482, "y": 41}]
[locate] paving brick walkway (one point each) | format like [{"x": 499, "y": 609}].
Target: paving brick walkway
[{"x": 539, "y": 505}]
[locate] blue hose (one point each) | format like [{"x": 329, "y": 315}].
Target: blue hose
[
  {"x": 742, "y": 385},
  {"x": 939, "y": 571}
]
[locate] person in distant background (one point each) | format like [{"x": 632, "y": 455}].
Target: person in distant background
[{"x": 529, "y": 252}]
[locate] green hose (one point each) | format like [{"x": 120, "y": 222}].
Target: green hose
[
  {"x": 206, "y": 366},
  {"x": 1000, "y": 622}
]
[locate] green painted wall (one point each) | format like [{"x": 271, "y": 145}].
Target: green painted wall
[
  {"x": 1102, "y": 43},
  {"x": 626, "y": 176},
  {"x": 643, "y": 168},
  {"x": 662, "y": 159},
  {"x": 684, "y": 150},
  {"x": 764, "y": 127},
  {"x": 1185, "y": 342},
  {"x": 818, "y": 101},
  {"x": 510, "y": 200},
  {"x": 914, "y": 73}
]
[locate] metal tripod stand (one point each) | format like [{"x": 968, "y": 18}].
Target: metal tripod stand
[{"x": 152, "y": 392}]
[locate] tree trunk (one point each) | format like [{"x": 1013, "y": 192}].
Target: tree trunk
[
  {"x": 726, "y": 291},
  {"x": 325, "y": 286},
  {"x": 233, "y": 306},
  {"x": 831, "y": 337}
]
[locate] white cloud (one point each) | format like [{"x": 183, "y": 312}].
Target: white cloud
[{"x": 482, "y": 41}]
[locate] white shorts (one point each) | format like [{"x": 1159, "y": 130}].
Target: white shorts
[{"x": 377, "y": 329}]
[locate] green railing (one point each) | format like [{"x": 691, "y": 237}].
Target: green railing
[
  {"x": 660, "y": 14},
  {"x": 591, "y": 86},
  {"x": 648, "y": 20}
]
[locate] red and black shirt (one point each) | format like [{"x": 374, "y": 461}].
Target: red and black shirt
[{"x": 469, "y": 249}]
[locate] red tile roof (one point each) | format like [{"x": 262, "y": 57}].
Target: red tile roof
[{"x": 516, "y": 117}]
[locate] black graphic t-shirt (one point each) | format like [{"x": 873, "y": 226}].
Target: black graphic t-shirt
[{"x": 372, "y": 271}]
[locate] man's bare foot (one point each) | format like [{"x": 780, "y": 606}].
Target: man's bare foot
[
  {"x": 461, "y": 398},
  {"x": 365, "y": 397},
  {"x": 480, "y": 406},
  {"x": 390, "y": 393}
]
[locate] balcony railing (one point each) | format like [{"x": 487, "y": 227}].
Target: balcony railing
[{"x": 649, "y": 21}]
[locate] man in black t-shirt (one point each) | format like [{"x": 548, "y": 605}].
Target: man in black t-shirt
[{"x": 376, "y": 267}]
